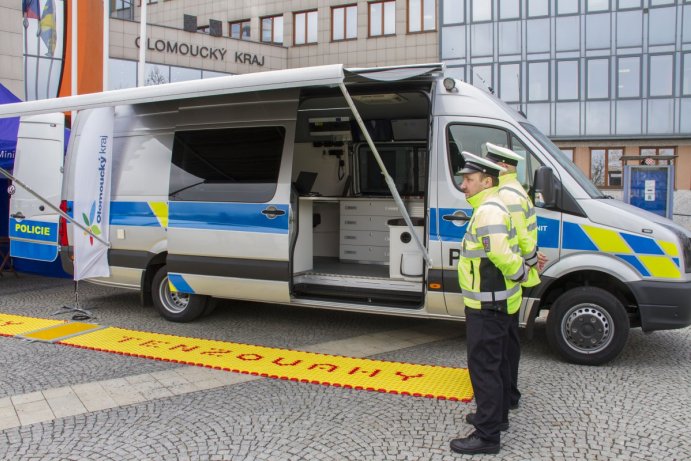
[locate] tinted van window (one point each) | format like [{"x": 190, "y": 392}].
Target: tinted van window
[{"x": 227, "y": 165}]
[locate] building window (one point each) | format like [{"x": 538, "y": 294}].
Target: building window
[
  {"x": 305, "y": 27},
  {"x": 382, "y": 18},
  {"x": 629, "y": 4},
  {"x": 481, "y": 10},
  {"x": 123, "y": 9},
  {"x": 568, "y": 7},
  {"x": 568, "y": 151},
  {"x": 630, "y": 28},
  {"x": 597, "y": 31},
  {"x": 661, "y": 75},
  {"x": 240, "y": 29},
  {"x": 655, "y": 152},
  {"x": 510, "y": 82},
  {"x": 454, "y": 11},
  {"x": 343, "y": 22},
  {"x": 509, "y": 9},
  {"x": 482, "y": 77},
  {"x": 568, "y": 32},
  {"x": 597, "y": 5},
  {"x": 568, "y": 80},
  {"x": 661, "y": 30},
  {"x": 605, "y": 167},
  {"x": 422, "y": 15},
  {"x": 686, "y": 75},
  {"x": 597, "y": 78},
  {"x": 629, "y": 77},
  {"x": 509, "y": 37},
  {"x": 538, "y": 8},
  {"x": 538, "y": 81},
  {"x": 272, "y": 29}
]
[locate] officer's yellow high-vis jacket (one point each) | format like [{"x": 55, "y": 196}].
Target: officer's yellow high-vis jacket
[
  {"x": 491, "y": 268},
  {"x": 524, "y": 219}
]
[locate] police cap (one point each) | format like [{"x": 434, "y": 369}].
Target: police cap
[
  {"x": 500, "y": 154},
  {"x": 475, "y": 163}
]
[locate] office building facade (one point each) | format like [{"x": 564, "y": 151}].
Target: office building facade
[{"x": 603, "y": 78}]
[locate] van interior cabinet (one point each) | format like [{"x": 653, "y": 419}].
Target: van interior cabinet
[{"x": 364, "y": 231}]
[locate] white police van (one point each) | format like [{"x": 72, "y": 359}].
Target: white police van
[{"x": 337, "y": 188}]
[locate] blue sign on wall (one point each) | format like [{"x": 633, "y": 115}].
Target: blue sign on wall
[{"x": 649, "y": 188}]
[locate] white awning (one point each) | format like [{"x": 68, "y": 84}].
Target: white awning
[{"x": 330, "y": 75}]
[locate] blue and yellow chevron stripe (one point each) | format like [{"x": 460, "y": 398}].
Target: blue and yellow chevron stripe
[{"x": 650, "y": 257}]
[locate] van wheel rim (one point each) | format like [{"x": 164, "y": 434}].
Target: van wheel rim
[
  {"x": 587, "y": 328},
  {"x": 173, "y": 301}
]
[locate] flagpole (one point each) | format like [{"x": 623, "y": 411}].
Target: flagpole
[
  {"x": 142, "y": 44},
  {"x": 106, "y": 43},
  {"x": 75, "y": 55}
]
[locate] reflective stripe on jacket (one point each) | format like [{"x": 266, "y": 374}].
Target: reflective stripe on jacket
[
  {"x": 490, "y": 267},
  {"x": 524, "y": 219}
]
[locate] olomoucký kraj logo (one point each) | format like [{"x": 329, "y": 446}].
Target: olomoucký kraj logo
[{"x": 89, "y": 222}]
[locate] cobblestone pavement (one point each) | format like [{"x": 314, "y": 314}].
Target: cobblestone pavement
[{"x": 637, "y": 407}]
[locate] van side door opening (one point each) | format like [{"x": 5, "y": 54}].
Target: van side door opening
[{"x": 353, "y": 244}]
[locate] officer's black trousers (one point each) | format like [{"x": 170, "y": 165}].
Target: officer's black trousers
[
  {"x": 514, "y": 358},
  {"x": 490, "y": 371}
]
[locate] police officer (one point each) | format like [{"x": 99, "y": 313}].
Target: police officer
[
  {"x": 524, "y": 219},
  {"x": 490, "y": 271}
]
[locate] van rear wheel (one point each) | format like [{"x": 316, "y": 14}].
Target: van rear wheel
[
  {"x": 587, "y": 326},
  {"x": 172, "y": 305}
]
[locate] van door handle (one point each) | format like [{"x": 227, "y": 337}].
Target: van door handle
[
  {"x": 272, "y": 212},
  {"x": 18, "y": 215},
  {"x": 455, "y": 217}
]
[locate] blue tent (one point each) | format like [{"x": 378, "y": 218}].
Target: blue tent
[{"x": 8, "y": 145}]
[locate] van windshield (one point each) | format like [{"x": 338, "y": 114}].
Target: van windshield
[{"x": 564, "y": 161}]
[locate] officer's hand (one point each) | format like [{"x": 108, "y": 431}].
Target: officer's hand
[{"x": 541, "y": 261}]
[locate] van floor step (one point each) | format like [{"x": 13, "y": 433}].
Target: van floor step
[
  {"x": 357, "y": 282},
  {"x": 393, "y": 298}
]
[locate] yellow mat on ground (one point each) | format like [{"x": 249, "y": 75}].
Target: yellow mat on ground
[
  {"x": 308, "y": 367},
  {"x": 11, "y": 325}
]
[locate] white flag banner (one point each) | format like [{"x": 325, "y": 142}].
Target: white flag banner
[{"x": 92, "y": 192}]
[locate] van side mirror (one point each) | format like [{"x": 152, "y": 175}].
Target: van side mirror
[{"x": 545, "y": 194}]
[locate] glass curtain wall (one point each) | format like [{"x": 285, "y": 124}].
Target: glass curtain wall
[{"x": 600, "y": 68}]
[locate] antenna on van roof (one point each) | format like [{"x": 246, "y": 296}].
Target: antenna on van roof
[{"x": 484, "y": 82}]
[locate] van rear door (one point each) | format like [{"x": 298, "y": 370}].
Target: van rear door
[{"x": 38, "y": 164}]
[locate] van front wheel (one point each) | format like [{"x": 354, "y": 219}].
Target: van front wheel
[
  {"x": 173, "y": 305},
  {"x": 587, "y": 326}
]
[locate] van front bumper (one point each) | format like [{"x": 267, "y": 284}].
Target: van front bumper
[{"x": 663, "y": 305}]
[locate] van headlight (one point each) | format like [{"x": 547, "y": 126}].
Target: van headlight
[{"x": 684, "y": 237}]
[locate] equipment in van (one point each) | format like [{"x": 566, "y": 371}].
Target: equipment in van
[{"x": 203, "y": 204}]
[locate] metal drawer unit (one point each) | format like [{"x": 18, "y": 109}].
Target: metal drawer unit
[{"x": 364, "y": 230}]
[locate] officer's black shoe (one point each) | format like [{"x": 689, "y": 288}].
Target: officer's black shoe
[
  {"x": 473, "y": 444},
  {"x": 514, "y": 406},
  {"x": 470, "y": 419}
]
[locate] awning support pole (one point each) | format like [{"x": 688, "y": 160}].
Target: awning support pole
[{"x": 14, "y": 180}]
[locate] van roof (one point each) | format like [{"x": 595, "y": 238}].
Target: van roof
[{"x": 329, "y": 75}]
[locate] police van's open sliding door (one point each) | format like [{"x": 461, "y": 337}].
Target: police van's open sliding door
[{"x": 230, "y": 188}]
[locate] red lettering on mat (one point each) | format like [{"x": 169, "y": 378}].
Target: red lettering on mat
[
  {"x": 358, "y": 370},
  {"x": 407, "y": 377},
  {"x": 324, "y": 366},
  {"x": 216, "y": 352},
  {"x": 249, "y": 358},
  {"x": 154, "y": 343},
  {"x": 184, "y": 348},
  {"x": 280, "y": 359}
]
